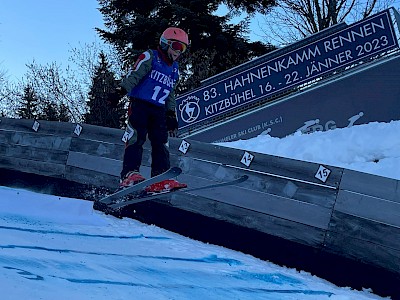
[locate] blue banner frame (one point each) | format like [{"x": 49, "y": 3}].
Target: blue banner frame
[{"x": 359, "y": 41}]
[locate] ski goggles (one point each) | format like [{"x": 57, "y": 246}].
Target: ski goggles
[{"x": 177, "y": 46}]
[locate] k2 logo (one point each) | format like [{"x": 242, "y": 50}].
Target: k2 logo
[
  {"x": 78, "y": 129},
  {"x": 35, "y": 125},
  {"x": 247, "y": 158},
  {"x": 323, "y": 173},
  {"x": 184, "y": 147}
]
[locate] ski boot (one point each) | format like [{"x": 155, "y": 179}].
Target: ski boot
[{"x": 130, "y": 179}]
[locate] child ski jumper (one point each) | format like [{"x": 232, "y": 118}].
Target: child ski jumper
[{"x": 150, "y": 86}]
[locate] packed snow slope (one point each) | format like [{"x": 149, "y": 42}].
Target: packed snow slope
[{"x": 60, "y": 248}]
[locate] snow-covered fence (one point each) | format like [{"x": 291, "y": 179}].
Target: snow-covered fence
[{"x": 352, "y": 214}]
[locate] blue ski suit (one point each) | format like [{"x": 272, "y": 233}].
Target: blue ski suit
[{"x": 151, "y": 90}]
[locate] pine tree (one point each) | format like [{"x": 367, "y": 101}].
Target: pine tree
[
  {"x": 50, "y": 112},
  {"x": 53, "y": 112},
  {"x": 28, "y": 104},
  {"x": 103, "y": 85},
  {"x": 216, "y": 45},
  {"x": 63, "y": 115}
]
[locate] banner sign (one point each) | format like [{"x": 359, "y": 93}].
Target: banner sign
[
  {"x": 360, "y": 97},
  {"x": 356, "y": 42}
]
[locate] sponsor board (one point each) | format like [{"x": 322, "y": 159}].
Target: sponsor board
[
  {"x": 368, "y": 95},
  {"x": 345, "y": 47}
]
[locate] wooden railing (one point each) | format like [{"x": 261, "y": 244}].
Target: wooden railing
[{"x": 348, "y": 213}]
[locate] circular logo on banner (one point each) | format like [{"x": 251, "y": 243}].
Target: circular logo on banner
[{"x": 190, "y": 109}]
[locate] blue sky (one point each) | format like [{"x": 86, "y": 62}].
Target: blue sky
[
  {"x": 47, "y": 30},
  {"x": 44, "y": 30}
]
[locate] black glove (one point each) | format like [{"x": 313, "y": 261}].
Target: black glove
[
  {"x": 172, "y": 123},
  {"x": 116, "y": 95}
]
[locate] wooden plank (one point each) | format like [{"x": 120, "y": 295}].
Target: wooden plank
[
  {"x": 99, "y": 179},
  {"x": 37, "y": 154},
  {"x": 364, "y": 251},
  {"x": 275, "y": 226},
  {"x": 304, "y": 192},
  {"x": 262, "y": 193},
  {"x": 278, "y": 166},
  {"x": 364, "y": 229},
  {"x": 62, "y": 129},
  {"x": 96, "y": 148},
  {"x": 35, "y": 140},
  {"x": 269, "y": 204},
  {"x": 106, "y": 149},
  {"x": 94, "y": 163},
  {"x": 372, "y": 185},
  {"x": 102, "y": 134},
  {"x": 376, "y": 209},
  {"x": 90, "y": 177},
  {"x": 31, "y": 166}
]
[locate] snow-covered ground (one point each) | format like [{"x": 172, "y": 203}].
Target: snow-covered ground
[
  {"x": 60, "y": 248},
  {"x": 371, "y": 148}
]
